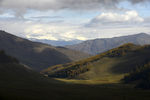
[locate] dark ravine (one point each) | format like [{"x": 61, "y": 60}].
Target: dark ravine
[
  {"x": 97, "y": 46},
  {"x": 37, "y": 55}
]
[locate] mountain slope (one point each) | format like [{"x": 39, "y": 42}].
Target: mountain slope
[
  {"x": 20, "y": 83},
  {"x": 101, "y": 45},
  {"x": 12, "y": 70},
  {"x": 108, "y": 66},
  {"x": 37, "y": 55}
]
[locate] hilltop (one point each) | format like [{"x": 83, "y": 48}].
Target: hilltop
[{"x": 107, "y": 67}]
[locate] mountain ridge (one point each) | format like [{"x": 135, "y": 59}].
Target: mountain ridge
[{"x": 97, "y": 46}]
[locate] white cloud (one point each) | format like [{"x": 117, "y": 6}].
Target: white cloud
[
  {"x": 65, "y": 31},
  {"x": 71, "y": 35},
  {"x": 128, "y": 22},
  {"x": 129, "y": 17},
  {"x": 39, "y": 30}
]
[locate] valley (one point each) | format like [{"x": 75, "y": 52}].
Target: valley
[
  {"x": 74, "y": 49},
  {"x": 105, "y": 76}
]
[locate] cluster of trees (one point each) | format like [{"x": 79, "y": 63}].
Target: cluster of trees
[
  {"x": 71, "y": 72},
  {"x": 7, "y": 59},
  {"x": 121, "y": 51},
  {"x": 140, "y": 76}
]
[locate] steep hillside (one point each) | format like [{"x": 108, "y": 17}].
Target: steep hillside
[
  {"x": 101, "y": 45},
  {"x": 13, "y": 74},
  {"x": 37, "y": 55},
  {"x": 17, "y": 82},
  {"x": 108, "y": 66},
  {"x": 11, "y": 70}
]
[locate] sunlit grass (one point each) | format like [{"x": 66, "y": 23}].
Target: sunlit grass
[{"x": 111, "y": 79}]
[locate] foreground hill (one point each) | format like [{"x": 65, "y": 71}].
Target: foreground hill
[
  {"x": 12, "y": 71},
  {"x": 109, "y": 66},
  {"x": 37, "y": 55},
  {"x": 20, "y": 83},
  {"x": 101, "y": 45}
]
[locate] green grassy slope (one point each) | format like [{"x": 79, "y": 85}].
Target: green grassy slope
[{"x": 109, "y": 66}]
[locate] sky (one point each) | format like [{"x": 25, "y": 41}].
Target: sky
[{"x": 74, "y": 19}]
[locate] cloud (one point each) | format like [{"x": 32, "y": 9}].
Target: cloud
[
  {"x": 129, "y": 17},
  {"x": 63, "y": 31},
  {"x": 39, "y": 30},
  {"x": 22, "y": 6},
  {"x": 45, "y": 24},
  {"x": 139, "y": 1},
  {"x": 61, "y": 4},
  {"x": 55, "y": 4},
  {"x": 47, "y": 17}
]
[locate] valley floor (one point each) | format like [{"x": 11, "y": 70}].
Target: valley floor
[
  {"x": 58, "y": 90},
  {"x": 106, "y": 80}
]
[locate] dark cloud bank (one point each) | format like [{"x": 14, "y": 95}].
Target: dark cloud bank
[{"x": 62, "y": 4}]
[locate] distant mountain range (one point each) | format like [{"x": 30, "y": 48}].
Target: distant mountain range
[
  {"x": 97, "y": 46},
  {"x": 37, "y": 55},
  {"x": 56, "y": 42}
]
